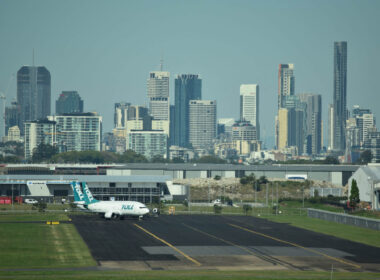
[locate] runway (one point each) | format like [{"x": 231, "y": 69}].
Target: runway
[{"x": 219, "y": 242}]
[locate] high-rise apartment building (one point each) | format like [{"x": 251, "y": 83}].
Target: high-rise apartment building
[
  {"x": 340, "y": 95},
  {"x": 372, "y": 143},
  {"x": 78, "y": 132},
  {"x": 365, "y": 121},
  {"x": 313, "y": 116},
  {"x": 33, "y": 93},
  {"x": 37, "y": 132},
  {"x": 68, "y": 102},
  {"x": 187, "y": 87},
  {"x": 286, "y": 82},
  {"x": 202, "y": 123},
  {"x": 149, "y": 143},
  {"x": 249, "y": 105}
]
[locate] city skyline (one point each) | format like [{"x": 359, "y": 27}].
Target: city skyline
[{"x": 223, "y": 67}]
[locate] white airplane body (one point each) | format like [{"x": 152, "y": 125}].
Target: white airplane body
[{"x": 110, "y": 209}]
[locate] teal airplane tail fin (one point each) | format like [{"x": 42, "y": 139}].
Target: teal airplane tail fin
[
  {"x": 78, "y": 194},
  {"x": 88, "y": 195}
]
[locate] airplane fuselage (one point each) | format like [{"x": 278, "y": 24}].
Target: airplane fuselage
[{"x": 120, "y": 208}]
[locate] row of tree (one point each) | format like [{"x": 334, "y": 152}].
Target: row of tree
[{"x": 48, "y": 153}]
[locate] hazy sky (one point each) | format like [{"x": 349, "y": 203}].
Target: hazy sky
[{"x": 105, "y": 49}]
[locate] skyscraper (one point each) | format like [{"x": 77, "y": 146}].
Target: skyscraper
[
  {"x": 331, "y": 127},
  {"x": 120, "y": 115},
  {"x": 202, "y": 123},
  {"x": 296, "y": 121},
  {"x": 187, "y": 87},
  {"x": 158, "y": 94},
  {"x": 282, "y": 138},
  {"x": 286, "y": 82},
  {"x": 69, "y": 102},
  {"x": 249, "y": 105},
  {"x": 3, "y": 131},
  {"x": 33, "y": 93},
  {"x": 12, "y": 116},
  {"x": 313, "y": 129},
  {"x": 340, "y": 95}
]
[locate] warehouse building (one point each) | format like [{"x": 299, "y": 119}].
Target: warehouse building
[{"x": 368, "y": 181}]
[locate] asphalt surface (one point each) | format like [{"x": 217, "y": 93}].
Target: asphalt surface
[{"x": 220, "y": 241}]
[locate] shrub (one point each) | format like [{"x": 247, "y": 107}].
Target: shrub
[
  {"x": 41, "y": 206},
  {"x": 217, "y": 209},
  {"x": 247, "y": 209}
]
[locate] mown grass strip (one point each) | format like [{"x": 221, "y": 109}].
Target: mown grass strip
[
  {"x": 357, "y": 234},
  {"x": 37, "y": 245},
  {"x": 189, "y": 275}
]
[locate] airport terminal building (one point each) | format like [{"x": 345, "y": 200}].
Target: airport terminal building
[
  {"x": 144, "y": 182},
  {"x": 52, "y": 188}
]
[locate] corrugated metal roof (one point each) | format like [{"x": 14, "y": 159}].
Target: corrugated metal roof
[
  {"x": 372, "y": 171},
  {"x": 89, "y": 179},
  {"x": 232, "y": 167}
]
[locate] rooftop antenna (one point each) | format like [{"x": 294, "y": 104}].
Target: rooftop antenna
[
  {"x": 161, "y": 64},
  {"x": 162, "y": 61}
]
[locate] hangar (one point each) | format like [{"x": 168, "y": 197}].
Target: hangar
[
  {"x": 335, "y": 174},
  {"x": 368, "y": 181}
]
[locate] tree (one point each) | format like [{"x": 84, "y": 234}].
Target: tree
[
  {"x": 217, "y": 177},
  {"x": 354, "y": 194},
  {"x": 365, "y": 157},
  {"x": 247, "y": 208},
  {"x": 331, "y": 160},
  {"x": 177, "y": 160},
  {"x": 210, "y": 159},
  {"x": 44, "y": 152},
  {"x": 131, "y": 156},
  {"x": 262, "y": 180},
  {"x": 159, "y": 159}
]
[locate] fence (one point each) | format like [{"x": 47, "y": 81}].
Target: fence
[{"x": 344, "y": 219}]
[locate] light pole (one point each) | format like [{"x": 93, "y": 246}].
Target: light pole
[{"x": 372, "y": 193}]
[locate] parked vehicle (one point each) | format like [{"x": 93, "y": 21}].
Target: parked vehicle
[{"x": 30, "y": 201}]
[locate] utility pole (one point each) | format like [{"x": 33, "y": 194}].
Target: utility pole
[
  {"x": 277, "y": 201},
  {"x": 255, "y": 191},
  {"x": 266, "y": 195}
]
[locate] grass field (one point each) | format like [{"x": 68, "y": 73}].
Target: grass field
[
  {"x": 357, "y": 234},
  {"x": 38, "y": 245},
  {"x": 189, "y": 275}
]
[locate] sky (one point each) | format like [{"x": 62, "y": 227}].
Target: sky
[{"x": 106, "y": 49}]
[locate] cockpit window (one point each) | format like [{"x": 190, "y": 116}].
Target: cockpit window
[{"x": 142, "y": 207}]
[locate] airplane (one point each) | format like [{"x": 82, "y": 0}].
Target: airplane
[
  {"x": 78, "y": 195},
  {"x": 108, "y": 209}
]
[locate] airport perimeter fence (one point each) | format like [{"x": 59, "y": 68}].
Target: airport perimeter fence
[{"x": 344, "y": 219}]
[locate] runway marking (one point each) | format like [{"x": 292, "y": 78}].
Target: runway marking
[
  {"x": 230, "y": 243},
  {"x": 296, "y": 245},
  {"x": 170, "y": 245}
]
